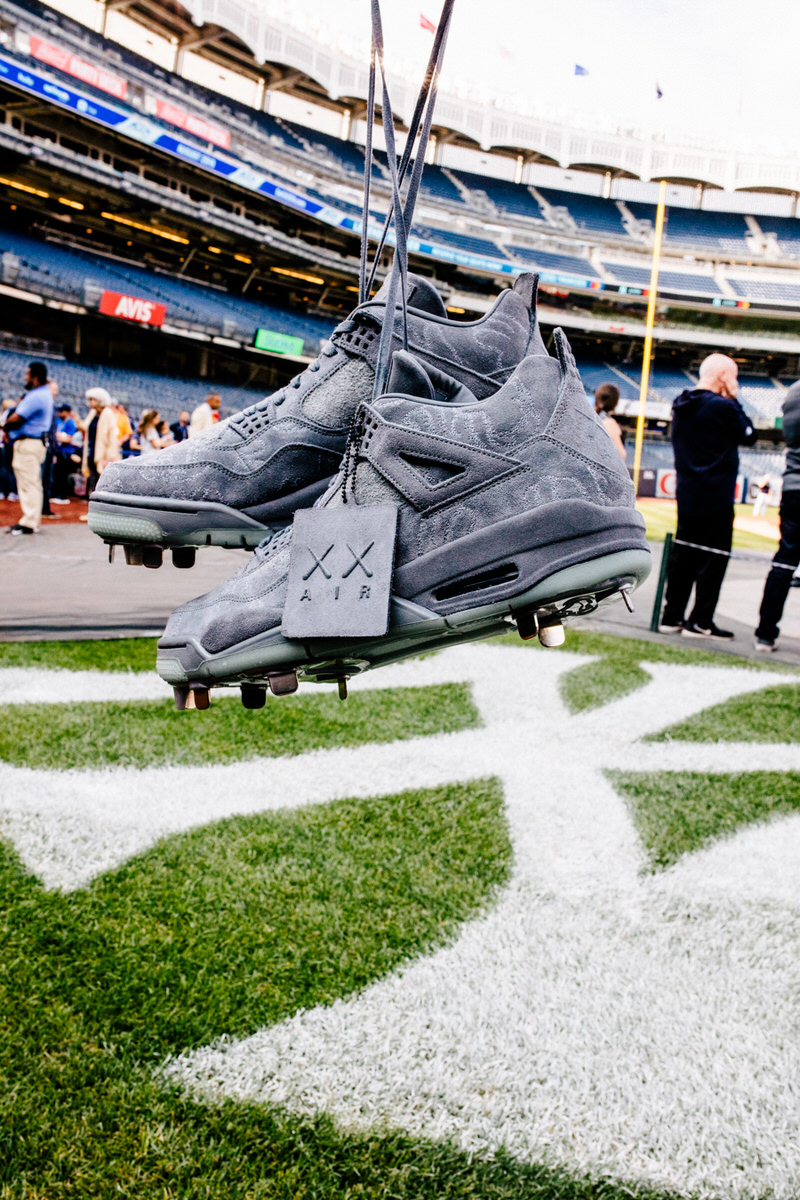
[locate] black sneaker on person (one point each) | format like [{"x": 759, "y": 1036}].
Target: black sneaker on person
[
  {"x": 691, "y": 629},
  {"x": 16, "y": 530},
  {"x": 670, "y": 626}
]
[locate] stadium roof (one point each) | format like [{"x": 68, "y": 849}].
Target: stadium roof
[{"x": 244, "y": 37}]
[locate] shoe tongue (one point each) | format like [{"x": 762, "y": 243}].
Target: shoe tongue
[
  {"x": 422, "y": 295},
  {"x": 408, "y": 377}
]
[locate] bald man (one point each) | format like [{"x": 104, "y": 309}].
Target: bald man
[{"x": 708, "y": 426}]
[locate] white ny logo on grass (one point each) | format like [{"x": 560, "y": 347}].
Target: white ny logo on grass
[{"x": 599, "y": 1017}]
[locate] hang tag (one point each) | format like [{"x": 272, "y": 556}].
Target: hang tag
[{"x": 340, "y": 572}]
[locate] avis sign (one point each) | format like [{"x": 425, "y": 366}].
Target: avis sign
[{"x": 132, "y": 308}]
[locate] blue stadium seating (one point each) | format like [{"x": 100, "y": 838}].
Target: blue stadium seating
[
  {"x": 594, "y": 373},
  {"x": 591, "y": 213},
  {"x": 56, "y": 270},
  {"x": 766, "y": 289},
  {"x": 139, "y": 390},
  {"x": 511, "y": 198},
  {"x": 546, "y": 260},
  {"x": 681, "y": 281},
  {"x": 669, "y": 384},
  {"x": 714, "y": 231},
  {"x": 787, "y": 230},
  {"x": 461, "y": 241}
]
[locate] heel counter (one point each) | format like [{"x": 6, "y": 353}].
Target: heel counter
[{"x": 577, "y": 426}]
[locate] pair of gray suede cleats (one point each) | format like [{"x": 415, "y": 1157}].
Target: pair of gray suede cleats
[{"x": 479, "y": 493}]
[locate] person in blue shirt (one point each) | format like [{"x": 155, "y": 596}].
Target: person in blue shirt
[
  {"x": 28, "y": 429},
  {"x": 67, "y": 455}
]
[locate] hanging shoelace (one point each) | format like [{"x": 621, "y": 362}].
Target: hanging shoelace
[{"x": 401, "y": 211}]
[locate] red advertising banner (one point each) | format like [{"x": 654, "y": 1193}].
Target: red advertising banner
[
  {"x": 79, "y": 68},
  {"x": 132, "y": 308},
  {"x": 192, "y": 124}
]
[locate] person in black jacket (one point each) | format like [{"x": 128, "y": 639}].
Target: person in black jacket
[
  {"x": 708, "y": 426},
  {"x": 779, "y": 579},
  {"x": 180, "y": 428}
]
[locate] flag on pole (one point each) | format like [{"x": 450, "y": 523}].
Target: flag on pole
[
  {"x": 579, "y": 70},
  {"x": 659, "y": 92},
  {"x": 426, "y": 23}
]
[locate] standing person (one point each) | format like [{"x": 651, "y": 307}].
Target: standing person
[
  {"x": 65, "y": 432},
  {"x": 205, "y": 414},
  {"x": 8, "y": 484},
  {"x": 101, "y": 443},
  {"x": 780, "y": 578},
  {"x": 150, "y": 435},
  {"x": 180, "y": 428},
  {"x": 606, "y": 399},
  {"x": 708, "y": 426},
  {"x": 28, "y": 428},
  {"x": 124, "y": 428}
]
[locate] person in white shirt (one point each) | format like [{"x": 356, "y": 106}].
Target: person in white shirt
[{"x": 205, "y": 414}]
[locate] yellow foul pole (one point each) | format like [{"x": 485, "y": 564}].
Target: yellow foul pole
[{"x": 648, "y": 337}]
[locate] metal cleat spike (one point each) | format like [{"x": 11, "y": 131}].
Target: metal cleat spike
[
  {"x": 111, "y": 548},
  {"x": 183, "y": 557},
  {"x": 182, "y": 695},
  {"x": 342, "y": 684},
  {"x": 201, "y": 696},
  {"x": 253, "y": 695},
  {"x": 625, "y": 592},
  {"x": 552, "y": 635},
  {"x": 282, "y": 683},
  {"x": 133, "y": 555},
  {"x": 527, "y": 625},
  {"x": 152, "y": 556}
]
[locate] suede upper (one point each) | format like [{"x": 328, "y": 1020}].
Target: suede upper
[
  {"x": 530, "y": 466},
  {"x": 295, "y": 438}
]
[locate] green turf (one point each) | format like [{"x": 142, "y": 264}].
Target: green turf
[
  {"x": 151, "y": 733},
  {"x": 225, "y": 929},
  {"x": 678, "y": 812},
  {"x": 661, "y": 519},
  {"x": 619, "y": 671},
  {"x": 236, "y": 925},
  {"x": 769, "y": 716},
  {"x": 114, "y": 654}
]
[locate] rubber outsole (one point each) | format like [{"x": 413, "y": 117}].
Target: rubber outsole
[
  {"x": 131, "y": 520},
  {"x": 575, "y": 591}
]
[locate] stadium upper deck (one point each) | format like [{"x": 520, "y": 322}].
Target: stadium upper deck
[{"x": 476, "y": 221}]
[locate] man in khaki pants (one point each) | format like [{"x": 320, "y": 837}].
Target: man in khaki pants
[{"x": 28, "y": 428}]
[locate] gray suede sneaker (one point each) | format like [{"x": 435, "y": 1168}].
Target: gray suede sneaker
[
  {"x": 239, "y": 482},
  {"x": 515, "y": 509}
]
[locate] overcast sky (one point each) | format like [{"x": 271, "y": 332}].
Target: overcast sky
[{"x": 726, "y": 67}]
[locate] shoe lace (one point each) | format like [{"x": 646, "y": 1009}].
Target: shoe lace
[{"x": 400, "y": 215}]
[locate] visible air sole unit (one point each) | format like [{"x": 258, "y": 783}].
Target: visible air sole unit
[{"x": 271, "y": 662}]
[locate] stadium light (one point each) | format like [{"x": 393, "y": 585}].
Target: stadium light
[
  {"x": 23, "y": 187},
  {"x": 213, "y": 250},
  {"x": 162, "y": 233},
  {"x": 453, "y": 308},
  {"x": 298, "y": 275},
  {"x": 70, "y": 203},
  {"x": 243, "y": 258}
]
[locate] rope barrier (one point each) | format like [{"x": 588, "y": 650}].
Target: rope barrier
[
  {"x": 741, "y": 554},
  {"x": 670, "y": 541}
]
